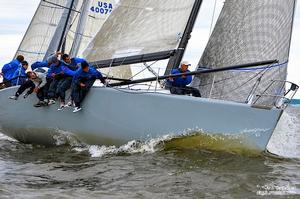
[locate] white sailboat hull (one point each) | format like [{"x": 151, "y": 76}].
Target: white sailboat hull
[{"x": 111, "y": 116}]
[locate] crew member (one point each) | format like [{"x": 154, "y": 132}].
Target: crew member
[
  {"x": 68, "y": 67},
  {"x": 47, "y": 63},
  {"x": 55, "y": 74},
  {"x": 9, "y": 69},
  {"x": 83, "y": 80},
  {"x": 19, "y": 76},
  {"x": 36, "y": 84},
  {"x": 178, "y": 85}
]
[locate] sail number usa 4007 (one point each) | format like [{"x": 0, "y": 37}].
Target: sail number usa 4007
[{"x": 102, "y": 8}]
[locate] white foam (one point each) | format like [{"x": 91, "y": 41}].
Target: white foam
[
  {"x": 65, "y": 137},
  {"x": 4, "y": 137},
  {"x": 132, "y": 147},
  {"x": 285, "y": 141}
]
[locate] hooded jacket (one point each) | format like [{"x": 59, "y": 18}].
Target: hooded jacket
[
  {"x": 70, "y": 69},
  {"x": 39, "y": 64},
  {"x": 9, "y": 69}
]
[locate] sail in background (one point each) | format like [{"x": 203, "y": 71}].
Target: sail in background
[
  {"x": 247, "y": 31},
  {"x": 46, "y": 28},
  {"x": 41, "y": 30},
  {"x": 95, "y": 13}
]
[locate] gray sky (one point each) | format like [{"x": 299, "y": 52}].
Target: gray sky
[{"x": 16, "y": 15}]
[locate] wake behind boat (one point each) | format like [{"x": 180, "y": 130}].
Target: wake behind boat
[{"x": 243, "y": 95}]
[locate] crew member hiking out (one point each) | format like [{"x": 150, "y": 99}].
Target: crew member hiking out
[
  {"x": 178, "y": 85},
  {"x": 9, "y": 69},
  {"x": 43, "y": 64},
  {"x": 69, "y": 67},
  {"x": 41, "y": 68},
  {"x": 36, "y": 84},
  {"x": 56, "y": 74},
  {"x": 83, "y": 80}
]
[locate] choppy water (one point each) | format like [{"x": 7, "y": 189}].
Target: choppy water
[{"x": 155, "y": 169}]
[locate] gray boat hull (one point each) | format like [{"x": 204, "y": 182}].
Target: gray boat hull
[{"x": 114, "y": 117}]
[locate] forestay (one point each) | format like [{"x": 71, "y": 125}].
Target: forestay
[{"x": 247, "y": 31}]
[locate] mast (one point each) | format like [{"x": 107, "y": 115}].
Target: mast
[
  {"x": 56, "y": 44},
  {"x": 80, "y": 28},
  {"x": 65, "y": 26},
  {"x": 174, "y": 62}
]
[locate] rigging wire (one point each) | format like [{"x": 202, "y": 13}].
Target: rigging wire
[
  {"x": 61, "y": 6},
  {"x": 261, "y": 74},
  {"x": 213, "y": 17},
  {"x": 143, "y": 70}
]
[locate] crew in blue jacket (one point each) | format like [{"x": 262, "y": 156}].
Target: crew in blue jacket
[
  {"x": 69, "y": 67},
  {"x": 40, "y": 64},
  {"x": 45, "y": 64},
  {"x": 19, "y": 76},
  {"x": 9, "y": 69},
  {"x": 55, "y": 74},
  {"x": 83, "y": 80},
  {"x": 178, "y": 85}
]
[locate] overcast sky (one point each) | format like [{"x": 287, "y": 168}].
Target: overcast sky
[{"x": 16, "y": 15}]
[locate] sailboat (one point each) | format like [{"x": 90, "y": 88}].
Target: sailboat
[{"x": 241, "y": 74}]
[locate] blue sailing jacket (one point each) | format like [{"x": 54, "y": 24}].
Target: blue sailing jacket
[
  {"x": 180, "y": 81},
  {"x": 9, "y": 69},
  {"x": 39, "y": 64},
  {"x": 70, "y": 69},
  {"x": 67, "y": 71},
  {"x": 55, "y": 69},
  {"x": 81, "y": 76},
  {"x": 76, "y": 60},
  {"x": 21, "y": 71}
]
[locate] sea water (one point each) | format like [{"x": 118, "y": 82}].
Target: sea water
[{"x": 157, "y": 168}]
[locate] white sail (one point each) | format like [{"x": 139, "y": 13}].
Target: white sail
[
  {"x": 97, "y": 14},
  {"x": 68, "y": 22},
  {"x": 41, "y": 30},
  {"x": 247, "y": 31},
  {"x": 78, "y": 34},
  {"x": 139, "y": 27},
  {"x": 43, "y": 35}
]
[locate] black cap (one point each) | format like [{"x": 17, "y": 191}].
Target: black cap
[
  {"x": 24, "y": 63},
  {"x": 84, "y": 64}
]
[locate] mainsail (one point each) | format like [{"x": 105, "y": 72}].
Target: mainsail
[
  {"x": 140, "y": 27},
  {"x": 247, "y": 31}
]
